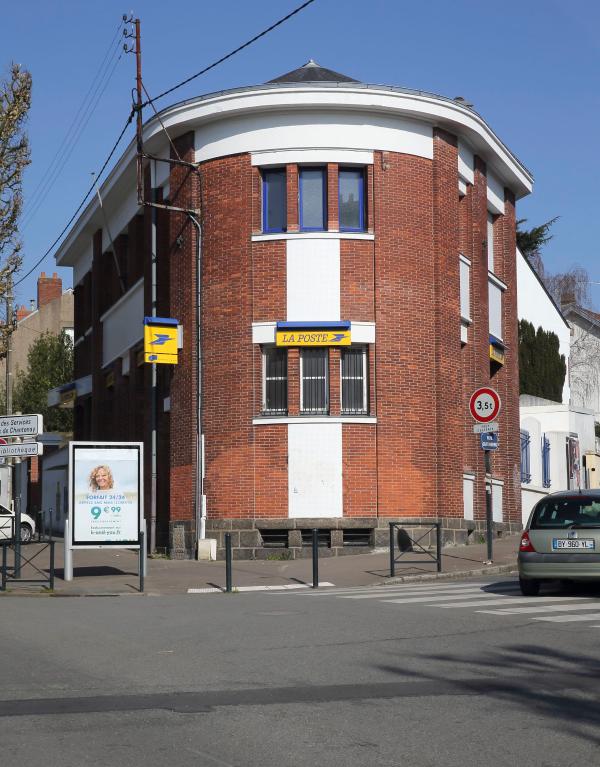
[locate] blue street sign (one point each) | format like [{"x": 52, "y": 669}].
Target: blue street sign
[{"x": 489, "y": 440}]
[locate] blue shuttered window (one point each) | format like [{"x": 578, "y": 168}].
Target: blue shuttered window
[
  {"x": 352, "y": 199},
  {"x": 546, "y": 481},
  {"x": 525, "y": 457},
  {"x": 274, "y": 200},
  {"x": 313, "y": 199}
]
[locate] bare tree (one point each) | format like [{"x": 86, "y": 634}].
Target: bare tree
[
  {"x": 15, "y": 100},
  {"x": 584, "y": 360},
  {"x": 572, "y": 287}
]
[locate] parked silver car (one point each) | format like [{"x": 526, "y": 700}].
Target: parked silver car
[
  {"x": 561, "y": 540},
  {"x": 7, "y": 522}
]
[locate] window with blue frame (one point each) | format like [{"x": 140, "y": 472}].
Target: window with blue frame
[
  {"x": 274, "y": 198},
  {"x": 313, "y": 199},
  {"x": 546, "y": 480},
  {"x": 525, "y": 457},
  {"x": 352, "y": 199}
]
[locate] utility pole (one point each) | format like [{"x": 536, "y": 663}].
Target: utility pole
[
  {"x": 9, "y": 332},
  {"x": 136, "y": 48},
  {"x": 10, "y": 327}
]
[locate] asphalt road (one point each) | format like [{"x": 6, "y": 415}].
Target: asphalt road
[{"x": 458, "y": 673}]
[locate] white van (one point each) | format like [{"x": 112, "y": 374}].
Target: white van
[{"x": 7, "y": 523}]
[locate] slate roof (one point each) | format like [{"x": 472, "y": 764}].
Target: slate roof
[{"x": 311, "y": 72}]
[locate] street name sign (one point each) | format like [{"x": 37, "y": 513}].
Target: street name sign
[
  {"x": 489, "y": 440},
  {"x": 22, "y": 449},
  {"x": 484, "y": 404},
  {"x": 485, "y": 428},
  {"x": 21, "y": 425}
]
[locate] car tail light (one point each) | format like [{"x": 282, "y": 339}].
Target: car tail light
[{"x": 526, "y": 544}]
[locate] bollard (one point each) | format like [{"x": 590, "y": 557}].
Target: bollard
[
  {"x": 4, "y": 566},
  {"x": 392, "y": 560},
  {"x": 228, "y": 585},
  {"x": 315, "y": 558},
  {"x": 438, "y": 536},
  {"x": 51, "y": 584},
  {"x": 141, "y": 560},
  {"x": 17, "y": 570}
]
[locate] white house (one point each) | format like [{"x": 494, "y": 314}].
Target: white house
[{"x": 558, "y": 441}]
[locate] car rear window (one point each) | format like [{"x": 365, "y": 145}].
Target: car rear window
[{"x": 566, "y": 511}]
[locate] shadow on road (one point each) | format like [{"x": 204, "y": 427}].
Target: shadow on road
[{"x": 555, "y": 683}]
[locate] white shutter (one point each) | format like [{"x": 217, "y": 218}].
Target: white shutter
[
  {"x": 465, "y": 279},
  {"x": 490, "y": 241},
  {"x": 495, "y": 309}
]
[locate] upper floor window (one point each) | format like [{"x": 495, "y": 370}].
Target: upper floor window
[
  {"x": 274, "y": 200},
  {"x": 275, "y": 376},
  {"x": 314, "y": 391},
  {"x": 354, "y": 380},
  {"x": 313, "y": 199},
  {"x": 352, "y": 199},
  {"x": 490, "y": 241}
]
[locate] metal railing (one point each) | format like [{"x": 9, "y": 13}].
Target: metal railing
[
  {"x": 21, "y": 560},
  {"x": 407, "y": 544}
]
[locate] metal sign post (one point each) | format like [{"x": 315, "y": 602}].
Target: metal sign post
[
  {"x": 489, "y": 508},
  {"x": 484, "y": 406}
]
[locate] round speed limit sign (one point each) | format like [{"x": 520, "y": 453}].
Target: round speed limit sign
[{"x": 484, "y": 404}]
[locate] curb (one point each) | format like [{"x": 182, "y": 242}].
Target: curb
[{"x": 493, "y": 570}]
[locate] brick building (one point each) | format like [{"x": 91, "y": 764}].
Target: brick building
[{"x": 327, "y": 208}]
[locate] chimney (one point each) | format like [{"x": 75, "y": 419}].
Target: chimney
[
  {"x": 48, "y": 289},
  {"x": 22, "y": 312}
]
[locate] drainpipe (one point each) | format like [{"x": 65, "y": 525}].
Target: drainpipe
[{"x": 199, "y": 488}]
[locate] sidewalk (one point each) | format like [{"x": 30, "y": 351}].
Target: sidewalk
[{"x": 104, "y": 572}]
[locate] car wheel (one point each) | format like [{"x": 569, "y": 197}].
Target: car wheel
[
  {"x": 26, "y": 534},
  {"x": 529, "y": 588}
]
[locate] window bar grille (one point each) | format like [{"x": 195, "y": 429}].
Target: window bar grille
[
  {"x": 546, "y": 480},
  {"x": 353, "y": 381},
  {"x": 314, "y": 381},
  {"x": 525, "y": 457}
]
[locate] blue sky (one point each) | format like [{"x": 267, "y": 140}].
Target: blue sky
[{"x": 530, "y": 68}]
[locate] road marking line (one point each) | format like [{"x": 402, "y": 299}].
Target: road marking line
[
  {"x": 424, "y": 600},
  {"x": 568, "y": 618},
  {"x": 506, "y": 601},
  {"x": 402, "y": 589},
  {"x": 543, "y": 609},
  {"x": 436, "y": 592},
  {"x": 282, "y": 587}
]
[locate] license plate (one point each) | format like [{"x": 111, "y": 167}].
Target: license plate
[{"x": 573, "y": 543}]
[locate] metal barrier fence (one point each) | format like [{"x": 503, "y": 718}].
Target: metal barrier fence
[
  {"x": 10, "y": 542},
  {"x": 407, "y": 544}
]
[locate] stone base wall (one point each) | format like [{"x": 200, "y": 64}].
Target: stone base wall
[{"x": 338, "y": 535}]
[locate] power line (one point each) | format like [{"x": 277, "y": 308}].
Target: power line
[
  {"x": 232, "y": 53},
  {"x": 84, "y": 113},
  {"x": 82, "y": 203},
  {"x": 149, "y": 102}
]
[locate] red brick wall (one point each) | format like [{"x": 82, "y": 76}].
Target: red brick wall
[
  {"x": 357, "y": 298},
  {"x": 359, "y": 467},
  {"x": 405, "y": 348},
  {"x": 48, "y": 288},
  {"x": 182, "y": 257},
  {"x": 448, "y": 417},
  {"x": 228, "y": 355},
  {"x": 271, "y": 471}
]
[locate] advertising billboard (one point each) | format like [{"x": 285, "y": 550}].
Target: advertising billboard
[{"x": 106, "y": 506}]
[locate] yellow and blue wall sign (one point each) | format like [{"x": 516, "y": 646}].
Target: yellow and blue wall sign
[
  {"x": 497, "y": 350},
  {"x": 313, "y": 333},
  {"x": 160, "y": 340}
]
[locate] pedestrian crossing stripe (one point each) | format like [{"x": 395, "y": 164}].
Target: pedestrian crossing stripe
[{"x": 506, "y": 596}]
